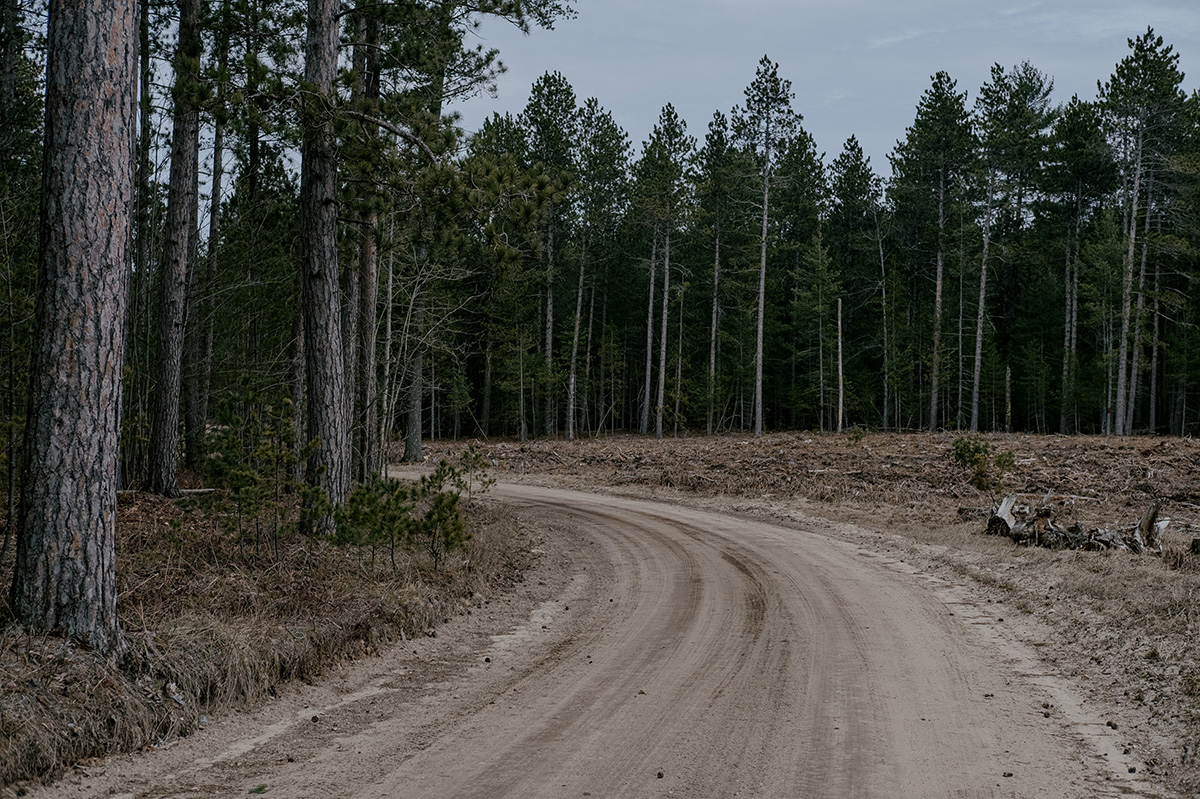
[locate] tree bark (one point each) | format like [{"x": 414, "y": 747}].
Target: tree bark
[
  {"x": 65, "y": 578},
  {"x": 574, "y": 367},
  {"x": 416, "y": 385},
  {"x": 712, "y": 335},
  {"x": 328, "y": 402},
  {"x": 199, "y": 330},
  {"x": 762, "y": 297},
  {"x": 1126, "y": 298},
  {"x": 644, "y": 422},
  {"x": 548, "y": 411},
  {"x": 177, "y": 251},
  {"x": 937, "y": 306},
  {"x": 841, "y": 417},
  {"x": 662, "y": 342},
  {"x": 983, "y": 275}
]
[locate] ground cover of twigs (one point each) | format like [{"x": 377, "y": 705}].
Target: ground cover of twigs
[
  {"x": 1123, "y": 626},
  {"x": 218, "y": 614}
]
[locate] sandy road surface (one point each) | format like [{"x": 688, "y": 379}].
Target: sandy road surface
[{"x": 671, "y": 652}]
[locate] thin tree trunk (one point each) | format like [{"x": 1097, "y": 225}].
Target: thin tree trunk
[
  {"x": 712, "y": 335},
  {"x": 385, "y": 422},
  {"x": 65, "y": 577},
  {"x": 1127, "y": 298},
  {"x": 644, "y": 423},
  {"x": 679, "y": 363},
  {"x": 328, "y": 401},
  {"x": 659, "y": 405},
  {"x": 485, "y": 414},
  {"x": 587, "y": 365},
  {"x": 983, "y": 274},
  {"x": 937, "y": 307},
  {"x": 177, "y": 251},
  {"x": 841, "y": 417},
  {"x": 416, "y": 385},
  {"x": 298, "y": 383},
  {"x": 574, "y": 366},
  {"x": 762, "y": 301},
  {"x": 199, "y": 331},
  {"x": 886, "y": 345},
  {"x": 548, "y": 410},
  {"x": 1135, "y": 359}
]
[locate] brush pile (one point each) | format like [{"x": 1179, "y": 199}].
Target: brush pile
[{"x": 1039, "y": 525}]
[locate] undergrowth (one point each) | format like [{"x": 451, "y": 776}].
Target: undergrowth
[{"x": 222, "y": 601}]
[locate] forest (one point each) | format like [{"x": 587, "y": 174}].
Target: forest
[{"x": 325, "y": 270}]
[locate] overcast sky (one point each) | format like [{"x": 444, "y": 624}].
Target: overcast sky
[{"x": 857, "y": 66}]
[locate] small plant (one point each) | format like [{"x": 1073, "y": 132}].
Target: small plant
[
  {"x": 425, "y": 515},
  {"x": 856, "y": 434},
  {"x": 472, "y": 471},
  {"x": 974, "y": 454}
]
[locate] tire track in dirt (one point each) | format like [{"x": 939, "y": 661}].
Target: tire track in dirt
[{"x": 690, "y": 654}]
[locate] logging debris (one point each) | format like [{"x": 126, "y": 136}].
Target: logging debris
[{"x": 1038, "y": 525}]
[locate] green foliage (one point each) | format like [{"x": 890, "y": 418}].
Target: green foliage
[
  {"x": 974, "y": 454},
  {"x": 252, "y": 456},
  {"x": 425, "y": 516}
]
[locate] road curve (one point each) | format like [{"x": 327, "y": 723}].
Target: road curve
[{"x": 695, "y": 654}]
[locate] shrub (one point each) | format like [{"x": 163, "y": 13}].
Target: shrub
[{"x": 974, "y": 454}]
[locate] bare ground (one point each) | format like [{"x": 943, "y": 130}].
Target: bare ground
[{"x": 806, "y": 615}]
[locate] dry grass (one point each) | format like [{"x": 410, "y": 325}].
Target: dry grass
[{"x": 215, "y": 618}]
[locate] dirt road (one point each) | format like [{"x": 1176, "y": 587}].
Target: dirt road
[{"x": 669, "y": 652}]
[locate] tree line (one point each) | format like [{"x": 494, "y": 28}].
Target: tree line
[{"x": 313, "y": 240}]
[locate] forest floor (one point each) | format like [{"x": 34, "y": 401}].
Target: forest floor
[
  {"x": 1120, "y": 631},
  {"x": 1123, "y": 628},
  {"x": 223, "y": 607}
]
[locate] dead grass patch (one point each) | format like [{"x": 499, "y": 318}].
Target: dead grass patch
[{"x": 217, "y": 618}]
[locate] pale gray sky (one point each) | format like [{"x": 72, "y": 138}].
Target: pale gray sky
[{"x": 857, "y": 66}]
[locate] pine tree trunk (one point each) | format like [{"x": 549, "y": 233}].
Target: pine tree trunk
[
  {"x": 937, "y": 307},
  {"x": 548, "y": 410},
  {"x": 644, "y": 423},
  {"x": 712, "y": 334},
  {"x": 199, "y": 330},
  {"x": 574, "y": 366},
  {"x": 886, "y": 340},
  {"x": 983, "y": 275},
  {"x": 659, "y": 405},
  {"x": 298, "y": 386},
  {"x": 328, "y": 401},
  {"x": 762, "y": 302},
  {"x": 416, "y": 386},
  {"x": 366, "y": 364},
  {"x": 1139, "y": 325},
  {"x": 485, "y": 414},
  {"x": 841, "y": 417},
  {"x": 177, "y": 250},
  {"x": 679, "y": 363},
  {"x": 64, "y": 580},
  {"x": 585, "y": 416},
  {"x": 1127, "y": 298}
]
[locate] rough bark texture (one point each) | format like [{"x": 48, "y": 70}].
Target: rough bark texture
[
  {"x": 177, "y": 250},
  {"x": 367, "y": 362},
  {"x": 328, "y": 411},
  {"x": 65, "y": 580}
]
